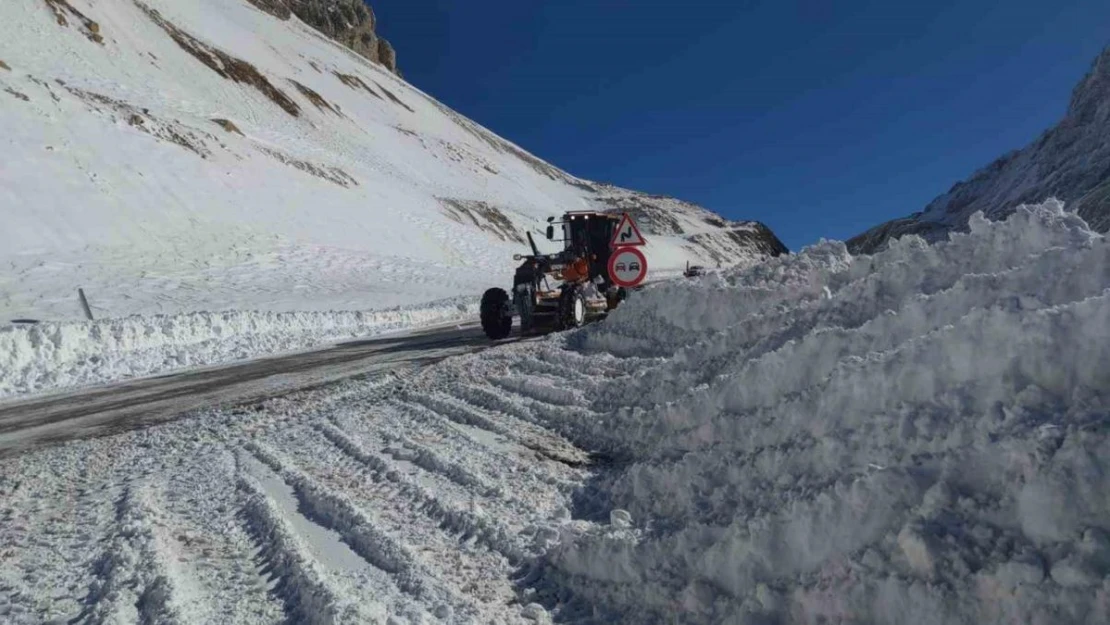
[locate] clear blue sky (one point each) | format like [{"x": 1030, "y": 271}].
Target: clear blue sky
[{"x": 820, "y": 118}]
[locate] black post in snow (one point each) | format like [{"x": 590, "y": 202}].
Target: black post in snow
[{"x": 85, "y": 304}]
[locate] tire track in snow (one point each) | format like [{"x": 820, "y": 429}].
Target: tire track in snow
[
  {"x": 357, "y": 528},
  {"x": 467, "y": 576},
  {"x": 462, "y": 523},
  {"x": 488, "y": 471},
  {"x": 309, "y": 595},
  {"x": 544, "y": 389},
  {"x": 545, "y": 442},
  {"x": 586, "y": 373},
  {"x": 377, "y": 531},
  {"x": 571, "y": 422},
  {"x": 68, "y": 500},
  {"x": 437, "y": 403},
  {"x": 405, "y": 449},
  {"x": 215, "y": 563},
  {"x": 132, "y": 580}
]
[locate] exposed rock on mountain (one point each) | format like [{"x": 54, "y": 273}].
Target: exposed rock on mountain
[
  {"x": 1070, "y": 162},
  {"x": 350, "y": 22}
]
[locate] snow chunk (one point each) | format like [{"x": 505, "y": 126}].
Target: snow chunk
[
  {"x": 620, "y": 519},
  {"x": 535, "y": 612},
  {"x": 919, "y": 550}
]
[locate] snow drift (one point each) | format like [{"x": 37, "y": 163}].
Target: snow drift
[
  {"x": 53, "y": 356},
  {"x": 920, "y": 436}
]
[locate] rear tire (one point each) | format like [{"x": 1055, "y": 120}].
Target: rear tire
[{"x": 497, "y": 319}]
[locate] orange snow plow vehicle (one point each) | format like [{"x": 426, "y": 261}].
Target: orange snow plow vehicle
[{"x": 558, "y": 291}]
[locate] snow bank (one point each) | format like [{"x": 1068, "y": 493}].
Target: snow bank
[
  {"x": 51, "y": 356},
  {"x": 921, "y": 436}
]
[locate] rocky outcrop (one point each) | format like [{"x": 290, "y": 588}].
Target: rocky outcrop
[
  {"x": 350, "y": 22},
  {"x": 387, "y": 55},
  {"x": 227, "y": 66},
  {"x": 1070, "y": 162}
]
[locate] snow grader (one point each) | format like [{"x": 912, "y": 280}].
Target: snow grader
[{"x": 559, "y": 291}]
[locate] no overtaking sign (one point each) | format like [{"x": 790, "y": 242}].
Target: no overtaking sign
[{"x": 627, "y": 267}]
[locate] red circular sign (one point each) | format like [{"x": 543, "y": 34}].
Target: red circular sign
[{"x": 627, "y": 267}]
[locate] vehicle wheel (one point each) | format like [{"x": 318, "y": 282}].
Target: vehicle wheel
[
  {"x": 497, "y": 318},
  {"x": 572, "y": 309}
]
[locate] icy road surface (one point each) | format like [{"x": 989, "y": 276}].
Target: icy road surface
[{"x": 42, "y": 420}]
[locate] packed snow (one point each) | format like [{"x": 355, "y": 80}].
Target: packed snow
[{"x": 919, "y": 436}]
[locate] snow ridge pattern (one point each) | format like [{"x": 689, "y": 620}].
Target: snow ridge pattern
[{"x": 920, "y": 436}]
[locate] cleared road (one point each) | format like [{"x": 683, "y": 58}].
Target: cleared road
[{"x": 32, "y": 423}]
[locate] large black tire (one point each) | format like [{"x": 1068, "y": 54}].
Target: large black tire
[
  {"x": 497, "y": 319},
  {"x": 572, "y": 309}
]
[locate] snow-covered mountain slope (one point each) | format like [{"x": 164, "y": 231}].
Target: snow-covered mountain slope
[
  {"x": 918, "y": 437},
  {"x": 1070, "y": 162},
  {"x": 171, "y": 157}
]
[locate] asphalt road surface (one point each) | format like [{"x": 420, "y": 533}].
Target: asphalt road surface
[{"x": 45, "y": 420}]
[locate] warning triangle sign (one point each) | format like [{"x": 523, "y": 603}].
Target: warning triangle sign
[{"x": 627, "y": 233}]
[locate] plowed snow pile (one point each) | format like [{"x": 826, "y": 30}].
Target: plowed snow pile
[
  {"x": 61, "y": 355},
  {"x": 920, "y": 436},
  {"x": 915, "y": 437}
]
